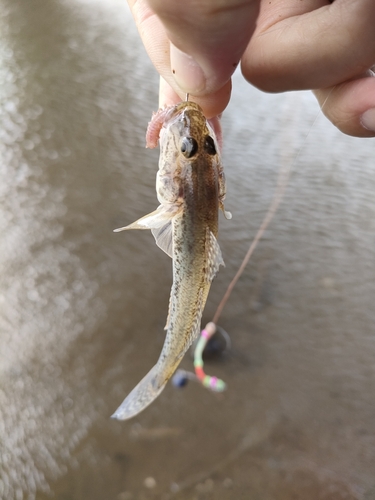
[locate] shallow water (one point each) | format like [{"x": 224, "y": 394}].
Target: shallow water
[{"x": 83, "y": 309}]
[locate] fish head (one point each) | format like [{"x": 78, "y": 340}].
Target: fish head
[
  {"x": 189, "y": 154},
  {"x": 187, "y": 134}
]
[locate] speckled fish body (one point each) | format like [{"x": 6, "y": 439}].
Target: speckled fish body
[{"x": 191, "y": 189}]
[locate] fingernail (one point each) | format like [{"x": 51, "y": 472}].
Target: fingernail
[
  {"x": 188, "y": 74},
  {"x": 368, "y": 119}
]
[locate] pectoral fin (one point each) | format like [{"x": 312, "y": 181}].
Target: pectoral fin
[
  {"x": 160, "y": 223},
  {"x": 214, "y": 257},
  {"x": 153, "y": 220}
]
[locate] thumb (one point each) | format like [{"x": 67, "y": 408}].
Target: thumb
[{"x": 207, "y": 39}]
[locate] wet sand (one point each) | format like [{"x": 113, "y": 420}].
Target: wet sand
[{"x": 83, "y": 309}]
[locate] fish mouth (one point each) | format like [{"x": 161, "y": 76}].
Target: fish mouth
[{"x": 185, "y": 106}]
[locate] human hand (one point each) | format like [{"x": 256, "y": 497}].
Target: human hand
[{"x": 282, "y": 44}]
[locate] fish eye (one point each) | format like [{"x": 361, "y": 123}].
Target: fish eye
[
  {"x": 189, "y": 147},
  {"x": 209, "y": 145}
]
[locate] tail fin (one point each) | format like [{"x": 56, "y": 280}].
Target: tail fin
[{"x": 141, "y": 396}]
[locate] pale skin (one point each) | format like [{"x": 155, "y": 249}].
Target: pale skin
[{"x": 281, "y": 45}]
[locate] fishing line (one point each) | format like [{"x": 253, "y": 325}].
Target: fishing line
[{"x": 213, "y": 383}]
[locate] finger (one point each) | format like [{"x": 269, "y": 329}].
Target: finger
[
  {"x": 153, "y": 36},
  {"x": 351, "y": 106},
  {"x": 212, "y": 105},
  {"x": 304, "y": 45},
  {"x": 157, "y": 46},
  {"x": 207, "y": 39}
]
